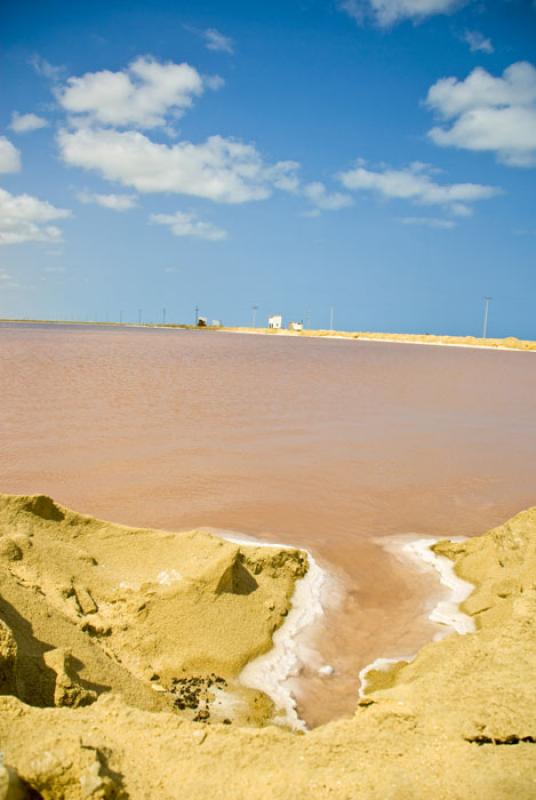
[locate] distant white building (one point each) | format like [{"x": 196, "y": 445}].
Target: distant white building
[
  {"x": 295, "y": 326},
  {"x": 216, "y": 323},
  {"x": 275, "y": 321}
]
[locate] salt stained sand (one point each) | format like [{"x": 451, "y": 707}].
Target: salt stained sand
[
  {"x": 446, "y": 612},
  {"x": 270, "y": 672}
]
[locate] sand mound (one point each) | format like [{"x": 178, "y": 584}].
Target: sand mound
[
  {"x": 90, "y": 607},
  {"x": 458, "y": 722}
]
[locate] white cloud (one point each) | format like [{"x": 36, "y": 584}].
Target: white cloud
[
  {"x": 9, "y": 156},
  {"x": 224, "y": 170},
  {"x": 460, "y": 210},
  {"x": 390, "y": 12},
  {"x": 46, "y": 69},
  {"x": 187, "y": 224},
  {"x": 415, "y": 183},
  {"x": 23, "y": 123},
  {"x": 489, "y": 114},
  {"x": 478, "y": 43},
  {"x": 115, "y": 202},
  {"x": 323, "y": 200},
  {"x": 141, "y": 95},
  {"x": 214, "y": 40},
  {"x": 24, "y": 218},
  {"x": 429, "y": 222}
]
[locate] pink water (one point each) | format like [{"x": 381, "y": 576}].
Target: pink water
[{"x": 326, "y": 444}]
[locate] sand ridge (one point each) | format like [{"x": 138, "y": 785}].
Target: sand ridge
[
  {"x": 507, "y": 343},
  {"x": 180, "y": 613},
  {"x": 458, "y": 722}
]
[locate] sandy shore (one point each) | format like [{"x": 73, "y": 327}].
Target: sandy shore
[
  {"x": 509, "y": 343},
  {"x": 269, "y": 673},
  {"x": 447, "y": 612},
  {"x": 78, "y": 716},
  {"x": 182, "y": 612}
]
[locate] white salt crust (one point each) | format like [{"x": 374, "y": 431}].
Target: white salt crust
[
  {"x": 270, "y": 672},
  {"x": 446, "y": 613}
]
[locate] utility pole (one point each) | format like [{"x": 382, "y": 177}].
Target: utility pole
[
  {"x": 139, "y": 315},
  {"x": 486, "y": 315},
  {"x": 254, "y": 310},
  {"x": 331, "y": 317},
  {"x": 163, "y": 316},
  {"x": 196, "y": 314}
]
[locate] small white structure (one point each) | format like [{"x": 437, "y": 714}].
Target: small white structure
[
  {"x": 275, "y": 321},
  {"x": 295, "y": 326},
  {"x": 216, "y": 323}
]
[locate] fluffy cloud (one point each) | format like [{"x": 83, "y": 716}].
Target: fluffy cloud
[
  {"x": 389, "y": 12},
  {"x": 140, "y": 96},
  {"x": 219, "y": 169},
  {"x": 416, "y": 184},
  {"x": 187, "y": 224},
  {"x": 484, "y": 113},
  {"x": 24, "y": 123},
  {"x": 9, "y": 156},
  {"x": 115, "y": 202},
  {"x": 214, "y": 40},
  {"x": 323, "y": 200},
  {"x": 477, "y": 42},
  {"x": 24, "y": 218}
]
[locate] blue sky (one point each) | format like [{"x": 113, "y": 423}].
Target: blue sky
[{"x": 378, "y": 156}]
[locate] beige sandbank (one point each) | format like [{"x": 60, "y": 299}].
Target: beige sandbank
[
  {"x": 459, "y": 721},
  {"x": 508, "y": 343}
]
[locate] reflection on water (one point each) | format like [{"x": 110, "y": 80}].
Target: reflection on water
[{"x": 322, "y": 443}]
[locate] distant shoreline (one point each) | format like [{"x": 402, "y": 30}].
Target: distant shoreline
[{"x": 509, "y": 343}]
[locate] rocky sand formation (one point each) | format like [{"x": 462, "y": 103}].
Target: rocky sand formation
[{"x": 120, "y": 652}]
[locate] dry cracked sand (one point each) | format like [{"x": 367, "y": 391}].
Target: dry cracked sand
[{"x": 120, "y": 651}]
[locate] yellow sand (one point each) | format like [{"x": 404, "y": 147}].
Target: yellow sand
[
  {"x": 508, "y": 343},
  {"x": 140, "y": 610},
  {"x": 458, "y": 722}
]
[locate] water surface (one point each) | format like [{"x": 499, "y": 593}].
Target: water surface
[{"x": 328, "y": 444}]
